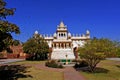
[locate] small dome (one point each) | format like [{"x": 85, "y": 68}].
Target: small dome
[
  {"x": 55, "y": 35},
  {"x": 36, "y": 32},
  {"x": 87, "y": 32},
  {"x": 69, "y": 34}
]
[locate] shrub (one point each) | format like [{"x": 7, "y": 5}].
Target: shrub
[
  {"x": 81, "y": 64},
  {"x": 1, "y": 55},
  {"x": 53, "y": 64},
  {"x": 60, "y": 66},
  {"x": 118, "y": 52}
]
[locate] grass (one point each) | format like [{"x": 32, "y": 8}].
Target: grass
[
  {"x": 37, "y": 74},
  {"x": 106, "y": 70},
  {"x": 29, "y": 62},
  {"x": 33, "y": 73},
  {"x": 109, "y": 70}
]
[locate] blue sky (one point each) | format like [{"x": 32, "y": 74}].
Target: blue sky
[{"x": 101, "y": 17}]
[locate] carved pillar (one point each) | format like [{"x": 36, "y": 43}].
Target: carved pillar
[
  {"x": 60, "y": 45},
  {"x": 67, "y": 44},
  {"x": 64, "y": 45},
  {"x": 57, "y": 45}
]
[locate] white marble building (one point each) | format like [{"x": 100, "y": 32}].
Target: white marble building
[{"x": 63, "y": 42}]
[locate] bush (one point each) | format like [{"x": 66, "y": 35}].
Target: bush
[
  {"x": 118, "y": 52},
  {"x": 60, "y": 66},
  {"x": 53, "y": 64},
  {"x": 81, "y": 64},
  {"x": 1, "y": 55}
]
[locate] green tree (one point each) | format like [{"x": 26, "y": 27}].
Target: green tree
[
  {"x": 118, "y": 48},
  {"x": 6, "y": 28},
  {"x": 96, "y": 50},
  {"x": 16, "y": 42},
  {"x": 37, "y": 47},
  {"x": 118, "y": 52}
]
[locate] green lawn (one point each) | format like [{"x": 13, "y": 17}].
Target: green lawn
[
  {"x": 29, "y": 62},
  {"x": 26, "y": 70},
  {"x": 110, "y": 70},
  {"x": 37, "y": 74}
]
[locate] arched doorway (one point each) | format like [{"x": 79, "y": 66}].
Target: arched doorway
[{"x": 75, "y": 50}]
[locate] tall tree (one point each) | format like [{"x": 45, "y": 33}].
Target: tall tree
[
  {"x": 118, "y": 48},
  {"x": 6, "y": 28},
  {"x": 96, "y": 50},
  {"x": 37, "y": 47},
  {"x": 15, "y": 42}
]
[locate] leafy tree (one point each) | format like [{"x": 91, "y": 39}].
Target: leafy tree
[
  {"x": 118, "y": 48},
  {"x": 16, "y": 42},
  {"x": 118, "y": 52},
  {"x": 96, "y": 50},
  {"x": 6, "y": 28},
  {"x": 37, "y": 47}
]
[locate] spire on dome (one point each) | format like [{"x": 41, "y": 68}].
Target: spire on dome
[
  {"x": 62, "y": 24},
  {"x": 62, "y": 27}
]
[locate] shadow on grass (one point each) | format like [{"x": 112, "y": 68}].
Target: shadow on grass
[
  {"x": 97, "y": 70},
  {"x": 13, "y": 72},
  {"x": 118, "y": 66}
]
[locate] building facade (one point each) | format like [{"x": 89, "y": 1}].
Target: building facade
[{"x": 63, "y": 43}]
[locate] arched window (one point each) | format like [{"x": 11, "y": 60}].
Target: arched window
[
  {"x": 62, "y": 35},
  {"x": 59, "y": 34}
]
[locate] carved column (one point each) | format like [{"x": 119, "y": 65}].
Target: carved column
[
  {"x": 60, "y": 45},
  {"x": 57, "y": 46},
  {"x": 67, "y": 44},
  {"x": 64, "y": 45}
]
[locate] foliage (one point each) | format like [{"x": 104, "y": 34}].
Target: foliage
[
  {"x": 118, "y": 48},
  {"x": 110, "y": 70},
  {"x": 13, "y": 72},
  {"x": 37, "y": 47},
  {"x": 6, "y": 28},
  {"x": 16, "y": 42},
  {"x": 38, "y": 73},
  {"x": 118, "y": 52},
  {"x": 81, "y": 64},
  {"x": 96, "y": 50},
  {"x": 53, "y": 64},
  {"x": 1, "y": 55}
]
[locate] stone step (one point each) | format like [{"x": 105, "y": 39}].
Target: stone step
[{"x": 61, "y": 54}]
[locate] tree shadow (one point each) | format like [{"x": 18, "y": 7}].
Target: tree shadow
[
  {"x": 118, "y": 66},
  {"x": 101, "y": 70},
  {"x": 13, "y": 72},
  {"x": 97, "y": 70}
]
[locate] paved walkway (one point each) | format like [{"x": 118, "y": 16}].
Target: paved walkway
[
  {"x": 5, "y": 61},
  {"x": 115, "y": 59},
  {"x": 71, "y": 74}
]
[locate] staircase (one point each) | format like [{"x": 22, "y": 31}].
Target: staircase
[{"x": 61, "y": 54}]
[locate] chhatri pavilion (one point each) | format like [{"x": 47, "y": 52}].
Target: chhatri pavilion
[{"x": 63, "y": 43}]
